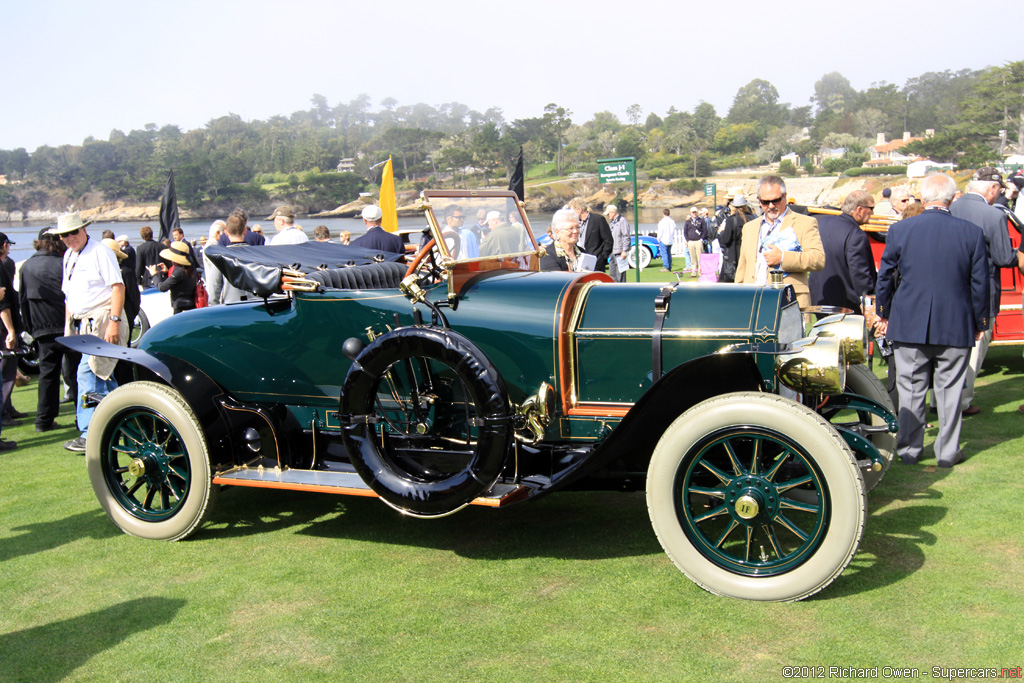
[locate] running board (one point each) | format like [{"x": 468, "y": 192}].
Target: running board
[{"x": 344, "y": 483}]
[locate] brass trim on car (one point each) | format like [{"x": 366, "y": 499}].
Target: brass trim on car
[{"x": 570, "y": 346}]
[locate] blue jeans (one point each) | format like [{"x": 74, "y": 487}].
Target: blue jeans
[
  {"x": 666, "y": 255},
  {"x": 88, "y": 382}
]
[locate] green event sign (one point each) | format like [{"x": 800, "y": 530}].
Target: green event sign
[
  {"x": 616, "y": 171},
  {"x": 709, "y": 190}
]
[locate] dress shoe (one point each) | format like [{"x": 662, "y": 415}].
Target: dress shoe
[
  {"x": 970, "y": 410},
  {"x": 957, "y": 459},
  {"x": 21, "y": 380},
  {"x": 47, "y": 427},
  {"x": 9, "y": 422},
  {"x": 6, "y": 445},
  {"x": 1020, "y": 409},
  {"x": 16, "y": 414},
  {"x": 76, "y": 446},
  {"x": 908, "y": 461}
]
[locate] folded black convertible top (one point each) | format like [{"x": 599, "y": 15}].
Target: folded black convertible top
[{"x": 258, "y": 269}]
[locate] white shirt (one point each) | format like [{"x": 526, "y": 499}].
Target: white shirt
[
  {"x": 666, "y": 230},
  {"x": 290, "y": 235},
  {"x": 88, "y": 276}
]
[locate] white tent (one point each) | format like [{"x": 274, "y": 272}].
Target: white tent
[{"x": 922, "y": 167}]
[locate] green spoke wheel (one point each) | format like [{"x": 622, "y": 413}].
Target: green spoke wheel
[
  {"x": 148, "y": 462},
  {"x": 757, "y": 497},
  {"x": 734, "y": 499}
]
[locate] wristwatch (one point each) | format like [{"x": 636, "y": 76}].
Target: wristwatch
[{"x": 115, "y": 318}]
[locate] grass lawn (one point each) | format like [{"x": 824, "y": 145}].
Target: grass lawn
[{"x": 285, "y": 586}]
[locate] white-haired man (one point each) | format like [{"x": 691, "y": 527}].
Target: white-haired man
[
  {"x": 938, "y": 262},
  {"x": 618, "y": 263},
  {"x": 976, "y": 207}
]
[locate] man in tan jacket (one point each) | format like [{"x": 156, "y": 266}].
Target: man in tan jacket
[{"x": 781, "y": 238}]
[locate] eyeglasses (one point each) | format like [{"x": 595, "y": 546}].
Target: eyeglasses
[
  {"x": 459, "y": 217},
  {"x": 69, "y": 234},
  {"x": 768, "y": 202}
]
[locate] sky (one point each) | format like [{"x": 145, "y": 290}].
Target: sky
[{"x": 94, "y": 67}]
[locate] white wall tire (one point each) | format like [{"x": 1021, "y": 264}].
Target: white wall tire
[
  {"x": 702, "y": 487},
  {"x": 148, "y": 462},
  {"x": 645, "y": 257}
]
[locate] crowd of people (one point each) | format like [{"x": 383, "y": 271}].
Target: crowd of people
[
  {"x": 75, "y": 284},
  {"x": 931, "y": 303},
  {"x": 943, "y": 254}
]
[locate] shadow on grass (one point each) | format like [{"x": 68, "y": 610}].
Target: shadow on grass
[
  {"x": 892, "y": 545},
  {"x": 52, "y": 652},
  {"x": 571, "y": 525},
  {"x": 43, "y": 536}
]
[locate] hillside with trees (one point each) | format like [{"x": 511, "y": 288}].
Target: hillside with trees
[{"x": 326, "y": 155}]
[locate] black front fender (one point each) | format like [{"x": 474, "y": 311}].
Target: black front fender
[{"x": 91, "y": 345}]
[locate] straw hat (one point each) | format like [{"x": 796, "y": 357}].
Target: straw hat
[
  {"x": 178, "y": 253},
  {"x": 68, "y": 223},
  {"x": 116, "y": 248}
]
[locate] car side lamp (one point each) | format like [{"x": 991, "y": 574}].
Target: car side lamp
[{"x": 814, "y": 365}]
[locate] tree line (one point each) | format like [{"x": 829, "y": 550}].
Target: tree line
[{"x": 976, "y": 114}]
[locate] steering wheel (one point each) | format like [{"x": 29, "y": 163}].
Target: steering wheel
[{"x": 432, "y": 270}]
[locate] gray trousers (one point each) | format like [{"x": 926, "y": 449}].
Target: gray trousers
[
  {"x": 918, "y": 367},
  {"x": 978, "y": 354}
]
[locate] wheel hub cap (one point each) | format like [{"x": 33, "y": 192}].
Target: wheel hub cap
[{"x": 747, "y": 507}]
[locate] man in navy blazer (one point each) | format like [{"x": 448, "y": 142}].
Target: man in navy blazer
[
  {"x": 975, "y": 207},
  {"x": 941, "y": 308},
  {"x": 849, "y": 271}
]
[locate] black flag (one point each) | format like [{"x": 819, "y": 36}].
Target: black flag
[
  {"x": 516, "y": 182},
  {"x": 169, "y": 209}
]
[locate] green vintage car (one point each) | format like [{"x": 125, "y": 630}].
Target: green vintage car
[{"x": 460, "y": 380}]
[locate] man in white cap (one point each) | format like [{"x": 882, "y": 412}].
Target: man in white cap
[
  {"x": 128, "y": 250},
  {"x": 94, "y": 293},
  {"x": 284, "y": 223},
  {"x": 376, "y": 237},
  {"x": 503, "y": 238}
]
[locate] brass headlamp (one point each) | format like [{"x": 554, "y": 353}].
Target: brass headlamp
[
  {"x": 815, "y": 365},
  {"x": 850, "y": 330}
]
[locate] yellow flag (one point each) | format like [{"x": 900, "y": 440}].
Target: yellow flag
[{"x": 388, "y": 205}]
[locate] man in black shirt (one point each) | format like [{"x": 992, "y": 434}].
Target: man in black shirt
[{"x": 148, "y": 254}]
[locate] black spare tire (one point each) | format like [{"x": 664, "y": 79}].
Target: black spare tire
[{"x": 427, "y": 420}]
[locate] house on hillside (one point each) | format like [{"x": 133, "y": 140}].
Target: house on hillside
[
  {"x": 347, "y": 165},
  {"x": 888, "y": 153}
]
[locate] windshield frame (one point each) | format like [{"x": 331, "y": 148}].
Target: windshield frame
[{"x": 434, "y": 201}]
